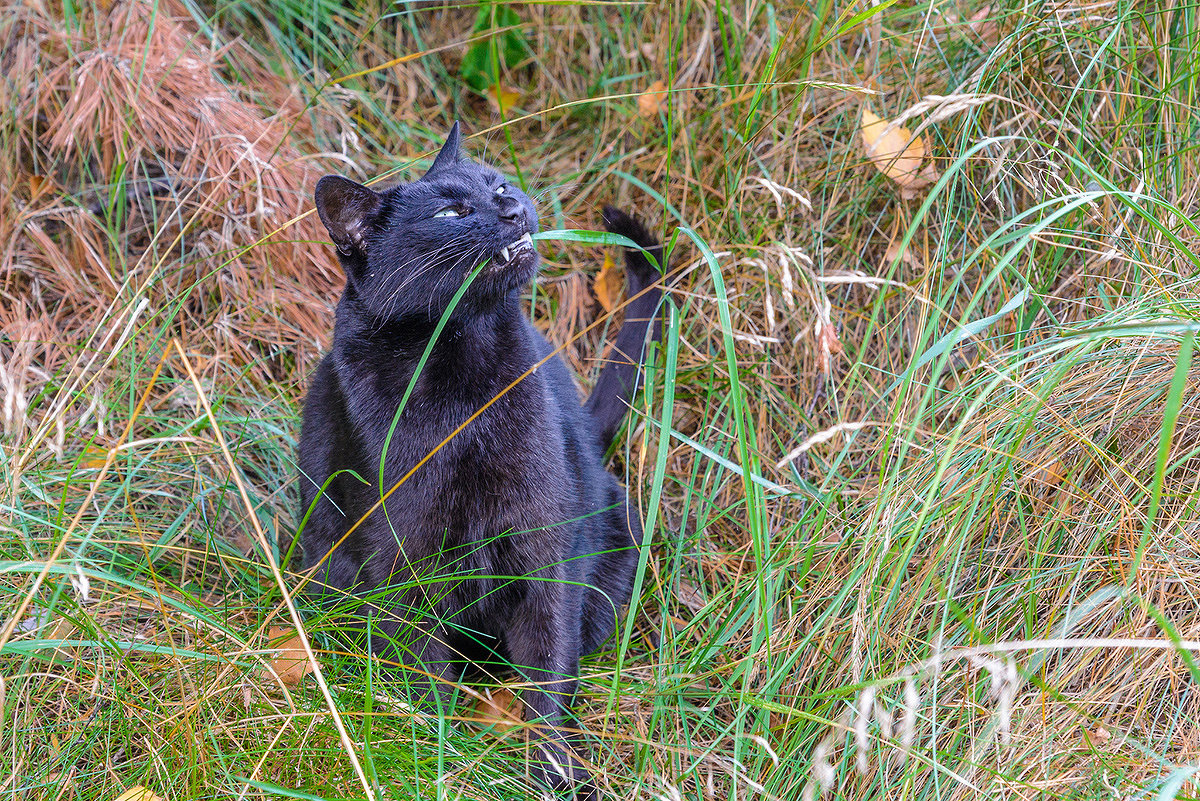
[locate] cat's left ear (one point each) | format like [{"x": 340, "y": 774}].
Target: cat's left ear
[
  {"x": 449, "y": 155},
  {"x": 348, "y": 210}
]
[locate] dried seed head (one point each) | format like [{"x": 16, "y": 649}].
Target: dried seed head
[
  {"x": 1011, "y": 683},
  {"x": 822, "y": 769},
  {"x": 885, "y": 722},
  {"x": 908, "y": 727},
  {"x": 785, "y": 280},
  {"x": 866, "y": 705}
]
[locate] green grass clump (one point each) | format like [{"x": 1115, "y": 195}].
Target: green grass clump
[{"x": 918, "y": 468}]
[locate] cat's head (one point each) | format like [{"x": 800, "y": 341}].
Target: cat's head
[{"x": 407, "y": 249}]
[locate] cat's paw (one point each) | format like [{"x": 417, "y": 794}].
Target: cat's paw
[{"x": 556, "y": 767}]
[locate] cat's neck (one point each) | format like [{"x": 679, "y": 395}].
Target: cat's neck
[{"x": 473, "y": 343}]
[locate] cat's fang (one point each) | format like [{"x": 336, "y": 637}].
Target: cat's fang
[{"x": 515, "y": 249}]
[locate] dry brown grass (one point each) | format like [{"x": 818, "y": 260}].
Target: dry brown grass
[{"x": 139, "y": 151}]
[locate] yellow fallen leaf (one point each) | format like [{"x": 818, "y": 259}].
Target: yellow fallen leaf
[
  {"x": 896, "y": 153},
  {"x": 653, "y": 100},
  {"x": 94, "y": 457},
  {"x": 289, "y": 662},
  {"x": 503, "y": 97},
  {"x": 499, "y": 709},
  {"x": 608, "y": 284},
  {"x": 38, "y": 183},
  {"x": 138, "y": 793}
]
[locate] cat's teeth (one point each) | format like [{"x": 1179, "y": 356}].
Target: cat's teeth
[{"x": 510, "y": 250}]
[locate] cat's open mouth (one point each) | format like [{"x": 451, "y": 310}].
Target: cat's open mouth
[{"x": 514, "y": 253}]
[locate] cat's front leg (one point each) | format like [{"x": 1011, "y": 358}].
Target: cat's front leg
[
  {"x": 543, "y": 645},
  {"x": 423, "y": 663}
]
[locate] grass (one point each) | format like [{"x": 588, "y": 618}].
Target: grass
[{"x": 920, "y": 474}]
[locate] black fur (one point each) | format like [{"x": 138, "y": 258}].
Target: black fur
[{"x": 511, "y": 542}]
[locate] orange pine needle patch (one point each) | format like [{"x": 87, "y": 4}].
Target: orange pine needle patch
[{"x": 140, "y": 118}]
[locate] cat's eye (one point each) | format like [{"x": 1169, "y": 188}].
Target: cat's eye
[
  {"x": 450, "y": 212},
  {"x": 500, "y": 189}
]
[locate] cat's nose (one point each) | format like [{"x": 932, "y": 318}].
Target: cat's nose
[{"x": 511, "y": 211}]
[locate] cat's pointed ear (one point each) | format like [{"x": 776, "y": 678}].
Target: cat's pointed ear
[
  {"x": 346, "y": 208},
  {"x": 449, "y": 155}
]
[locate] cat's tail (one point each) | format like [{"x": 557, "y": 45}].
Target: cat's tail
[{"x": 622, "y": 369}]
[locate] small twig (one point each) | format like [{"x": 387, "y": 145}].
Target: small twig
[{"x": 823, "y": 436}]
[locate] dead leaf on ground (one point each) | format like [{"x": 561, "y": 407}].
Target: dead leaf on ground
[
  {"x": 828, "y": 344},
  {"x": 499, "y": 709},
  {"x": 289, "y": 660},
  {"x": 1046, "y": 469},
  {"x": 608, "y": 284},
  {"x": 63, "y": 630},
  {"x": 653, "y": 100},
  {"x": 94, "y": 457},
  {"x": 894, "y": 252},
  {"x": 985, "y": 22},
  {"x": 502, "y": 97},
  {"x": 690, "y": 596},
  {"x": 897, "y": 153},
  {"x": 138, "y": 793},
  {"x": 39, "y": 184}
]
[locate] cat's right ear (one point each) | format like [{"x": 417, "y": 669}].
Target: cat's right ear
[
  {"x": 451, "y": 151},
  {"x": 347, "y": 209}
]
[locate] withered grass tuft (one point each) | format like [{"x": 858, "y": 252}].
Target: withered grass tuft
[{"x": 920, "y": 468}]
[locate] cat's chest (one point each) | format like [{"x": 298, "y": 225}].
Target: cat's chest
[
  {"x": 457, "y": 452},
  {"x": 479, "y": 447},
  {"x": 447, "y": 415},
  {"x": 487, "y": 500}
]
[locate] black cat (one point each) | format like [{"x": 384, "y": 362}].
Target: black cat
[{"x": 506, "y": 542}]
